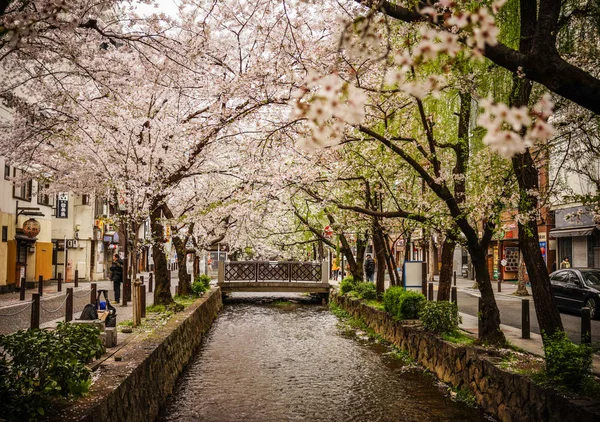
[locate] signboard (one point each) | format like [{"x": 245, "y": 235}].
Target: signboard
[
  {"x": 543, "y": 250},
  {"x": 412, "y": 275},
  {"x": 62, "y": 205},
  {"x": 511, "y": 254}
]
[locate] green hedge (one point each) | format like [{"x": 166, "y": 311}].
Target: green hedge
[
  {"x": 402, "y": 304},
  {"x": 365, "y": 290},
  {"x": 347, "y": 285},
  {"x": 440, "y": 317},
  {"x": 38, "y": 366},
  {"x": 567, "y": 363}
]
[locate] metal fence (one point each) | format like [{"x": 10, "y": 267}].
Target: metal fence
[{"x": 272, "y": 271}]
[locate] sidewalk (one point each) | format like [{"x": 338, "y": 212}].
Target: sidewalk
[{"x": 16, "y": 315}]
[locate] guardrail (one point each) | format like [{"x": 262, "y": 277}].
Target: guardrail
[{"x": 282, "y": 271}]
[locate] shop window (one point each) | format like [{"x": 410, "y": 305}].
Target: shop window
[
  {"x": 85, "y": 199},
  {"x": 7, "y": 171},
  {"x": 565, "y": 248},
  {"x": 5, "y": 233}
]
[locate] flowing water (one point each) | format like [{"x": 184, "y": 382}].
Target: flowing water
[{"x": 267, "y": 362}]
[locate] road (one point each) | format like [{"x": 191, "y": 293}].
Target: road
[{"x": 510, "y": 314}]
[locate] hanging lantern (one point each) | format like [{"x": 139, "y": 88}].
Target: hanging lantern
[{"x": 31, "y": 228}]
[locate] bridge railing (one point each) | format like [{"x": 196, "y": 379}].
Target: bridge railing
[{"x": 281, "y": 271}]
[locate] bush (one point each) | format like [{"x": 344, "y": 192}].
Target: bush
[
  {"x": 402, "y": 304},
  {"x": 198, "y": 288},
  {"x": 366, "y": 291},
  {"x": 204, "y": 279},
  {"x": 347, "y": 284},
  {"x": 410, "y": 304},
  {"x": 391, "y": 299},
  {"x": 39, "y": 365},
  {"x": 440, "y": 317},
  {"x": 567, "y": 363}
]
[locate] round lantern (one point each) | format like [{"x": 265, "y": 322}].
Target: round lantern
[{"x": 31, "y": 228}]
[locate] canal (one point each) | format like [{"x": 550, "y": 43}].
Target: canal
[{"x": 266, "y": 360}]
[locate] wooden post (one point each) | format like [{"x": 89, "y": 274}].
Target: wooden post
[
  {"x": 136, "y": 302},
  {"x": 454, "y": 295},
  {"x": 430, "y": 295},
  {"x": 455, "y": 278},
  {"x": 221, "y": 272},
  {"x": 35, "y": 310},
  {"x": 22, "y": 289},
  {"x": 76, "y": 279},
  {"x": 69, "y": 305},
  {"x": 324, "y": 272},
  {"x": 586, "y": 326},
  {"x": 525, "y": 326},
  {"x": 41, "y": 285},
  {"x": 124, "y": 298},
  {"x": 59, "y": 282},
  {"x": 479, "y": 317},
  {"x": 126, "y": 281},
  {"x": 499, "y": 286},
  {"x": 143, "y": 297},
  {"x": 150, "y": 277},
  {"x": 424, "y": 279},
  {"x": 93, "y": 294}
]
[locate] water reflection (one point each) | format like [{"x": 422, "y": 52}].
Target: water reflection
[{"x": 272, "y": 362}]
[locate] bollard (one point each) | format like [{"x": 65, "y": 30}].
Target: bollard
[
  {"x": 35, "y": 310},
  {"x": 143, "y": 298},
  {"x": 479, "y": 317},
  {"x": 93, "y": 294},
  {"x": 525, "y": 326},
  {"x": 430, "y": 292},
  {"x": 76, "y": 280},
  {"x": 586, "y": 325},
  {"x": 454, "y": 295},
  {"x": 150, "y": 278},
  {"x": 41, "y": 285},
  {"x": 455, "y": 278},
  {"x": 69, "y": 305},
  {"x": 22, "y": 289},
  {"x": 499, "y": 286},
  {"x": 124, "y": 297},
  {"x": 59, "y": 282}
]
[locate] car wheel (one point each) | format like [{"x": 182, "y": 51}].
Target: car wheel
[{"x": 591, "y": 303}]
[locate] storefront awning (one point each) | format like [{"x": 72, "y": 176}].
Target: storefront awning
[{"x": 572, "y": 231}]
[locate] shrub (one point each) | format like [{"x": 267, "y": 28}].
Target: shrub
[
  {"x": 391, "y": 299},
  {"x": 440, "y": 317},
  {"x": 366, "y": 290},
  {"x": 410, "y": 304},
  {"x": 204, "y": 279},
  {"x": 347, "y": 284},
  {"x": 567, "y": 363},
  {"x": 37, "y": 366},
  {"x": 198, "y": 288}
]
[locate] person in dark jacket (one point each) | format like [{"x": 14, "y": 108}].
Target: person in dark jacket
[
  {"x": 116, "y": 275},
  {"x": 369, "y": 267}
]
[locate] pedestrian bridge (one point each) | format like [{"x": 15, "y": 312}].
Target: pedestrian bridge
[{"x": 273, "y": 276}]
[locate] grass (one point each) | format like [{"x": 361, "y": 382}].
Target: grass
[
  {"x": 155, "y": 309},
  {"x": 463, "y": 395},
  {"x": 458, "y": 337},
  {"x": 375, "y": 304},
  {"x": 185, "y": 301},
  {"x": 126, "y": 323}
]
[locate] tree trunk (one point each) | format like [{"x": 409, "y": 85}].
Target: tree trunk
[
  {"x": 521, "y": 288},
  {"x": 391, "y": 262},
  {"x": 162, "y": 276},
  {"x": 378, "y": 243},
  {"x": 185, "y": 280},
  {"x": 445, "y": 282},
  {"x": 490, "y": 314}
]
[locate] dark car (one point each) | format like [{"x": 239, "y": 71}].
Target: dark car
[{"x": 575, "y": 288}]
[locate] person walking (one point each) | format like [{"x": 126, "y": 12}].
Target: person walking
[
  {"x": 116, "y": 275},
  {"x": 565, "y": 263},
  {"x": 369, "y": 267},
  {"x": 335, "y": 267}
]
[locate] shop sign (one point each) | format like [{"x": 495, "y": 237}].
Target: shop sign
[{"x": 62, "y": 205}]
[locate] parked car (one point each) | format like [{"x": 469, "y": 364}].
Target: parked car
[{"x": 575, "y": 288}]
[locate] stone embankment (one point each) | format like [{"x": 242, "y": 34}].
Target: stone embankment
[
  {"x": 507, "y": 396},
  {"x": 134, "y": 384}
]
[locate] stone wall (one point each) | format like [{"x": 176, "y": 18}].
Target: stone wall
[
  {"x": 507, "y": 396},
  {"x": 136, "y": 387}
]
